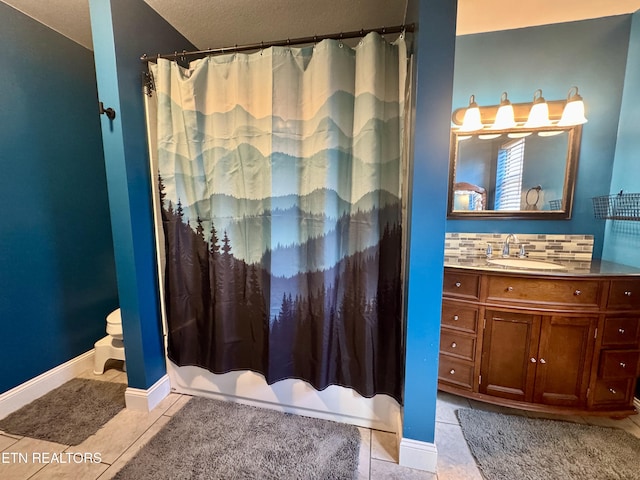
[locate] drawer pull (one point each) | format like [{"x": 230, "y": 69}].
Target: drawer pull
[
  {"x": 455, "y": 317},
  {"x": 509, "y": 289},
  {"x": 452, "y": 371},
  {"x": 623, "y": 365},
  {"x": 458, "y": 284},
  {"x": 621, "y": 331},
  {"x": 543, "y": 361},
  {"x": 577, "y": 293},
  {"x": 627, "y": 293},
  {"x": 454, "y": 345},
  {"x": 533, "y": 360},
  {"x": 613, "y": 391}
]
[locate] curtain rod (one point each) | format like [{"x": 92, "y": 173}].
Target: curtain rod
[{"x": 280, "y": 43}]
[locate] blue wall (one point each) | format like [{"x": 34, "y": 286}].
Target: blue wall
[
  {"x": 427, "y": 209},
  {"x": 57, "y": 274},
  {"x": 122, "y": 31},
  {"x": 591, "y": 54},
  {"x": 622, "y": 238}
]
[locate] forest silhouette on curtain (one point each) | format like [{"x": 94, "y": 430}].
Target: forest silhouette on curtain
[{"x": 280, "y": 180}]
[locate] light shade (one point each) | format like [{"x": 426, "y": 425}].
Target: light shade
[
  {"x": 504, "y": 117},
  {"x": 518, "y": 134},
  {"x": 550, "y": 133},
  {"x": 472, "y": 120},
  {"x": 539, "y": 114},
  {"x": 573, "y": 113}
]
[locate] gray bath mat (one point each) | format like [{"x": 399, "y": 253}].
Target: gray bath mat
[
  {"x": 69, "y": 414},
  {"x": 210, "y": 439},
  {"x": 508, "y": 447}
]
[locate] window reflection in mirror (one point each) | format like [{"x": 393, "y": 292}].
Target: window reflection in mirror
[{"x": 513, "y": 173}]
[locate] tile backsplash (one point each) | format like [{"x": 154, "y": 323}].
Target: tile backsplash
[{"x": 567, "y": 247}]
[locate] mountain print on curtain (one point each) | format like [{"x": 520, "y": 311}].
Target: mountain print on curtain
[{"x": 279, "y": 178}]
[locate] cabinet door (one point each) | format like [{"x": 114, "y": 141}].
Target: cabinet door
[
  {"x": 508, "y": 354},
  {"x": 564, "y": 360}
]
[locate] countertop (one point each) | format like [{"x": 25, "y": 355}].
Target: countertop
[{"x": 594, "y": 268}]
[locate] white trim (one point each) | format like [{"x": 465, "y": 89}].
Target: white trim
[
  {"x": 636, "y": 403},
  {"x": 27, "y": 392},
  {"x": 418, "y": 455},
  {"x": 146, "y": 400}
]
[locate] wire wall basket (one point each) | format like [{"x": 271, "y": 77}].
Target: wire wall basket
[
  {"x": 621, "y": 206},
  {"x": 555, "y": 204}
]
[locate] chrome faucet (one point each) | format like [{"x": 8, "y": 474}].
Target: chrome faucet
[{"x": 505, "y": 246}]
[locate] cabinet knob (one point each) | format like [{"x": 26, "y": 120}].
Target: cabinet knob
[
  {"x": 455, "y": 317},
  {"x": 509, "y": 289},
  {"x": 452, "y": 371},
  {"x": 533, "y": 360},
  {"x": 577, "y": 293},
  {"x": 613, "y": 391},
  {"x": 627, "y": 293},
  {"x": 543, "y": 361},
  {"x": 621, "y": 331},
  {"x": 454, "y": 345},
  {"x": 458, "y": 284},
  {"x": 623, "y": 365}
]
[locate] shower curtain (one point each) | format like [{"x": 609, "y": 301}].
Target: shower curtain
[{"x": 280, "y": 184}]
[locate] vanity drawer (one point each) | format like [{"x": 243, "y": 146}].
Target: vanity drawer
[
  {"x": 583, "y": 293},
  {"x": 455, "y": 372},
  {"x": 459, "y": 317},
  {"x": 461, "y": 285},
  {"x": 624, "y": 294},
  {"x": 620, "y": 331},
  {"x": 619, "y": 364},
  {"x": 612, "y": 391},
  {"x": 457, "y": 344}
]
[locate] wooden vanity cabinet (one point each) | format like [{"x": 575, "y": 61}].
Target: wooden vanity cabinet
[
  {"x": 537, "y": 358},
  {"x": 557, "y": 344}
]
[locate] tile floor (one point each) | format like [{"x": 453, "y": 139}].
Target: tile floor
[{"x": 120, "y": 439}]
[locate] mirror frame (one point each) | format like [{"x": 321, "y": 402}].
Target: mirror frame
[{"x": 573, "y": 154}]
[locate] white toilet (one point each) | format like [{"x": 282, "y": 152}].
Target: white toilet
[{"x": 112, "y": 345}]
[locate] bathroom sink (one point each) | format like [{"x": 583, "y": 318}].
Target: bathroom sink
[{"x": 526, "y": 263}]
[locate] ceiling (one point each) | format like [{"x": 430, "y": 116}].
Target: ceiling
[{"x": 209, "y": 24}]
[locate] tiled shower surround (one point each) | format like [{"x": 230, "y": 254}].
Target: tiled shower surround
[{"x": 559, "y": 247}]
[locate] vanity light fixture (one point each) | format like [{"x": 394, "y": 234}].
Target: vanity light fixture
[
  {"x": 504, "y": 117},
  {"x": 472, "y": 120},
  {"x": 539, "y": 114},
  {"x": 519, "y": 119},
  {"x": 573, "y": 113}
]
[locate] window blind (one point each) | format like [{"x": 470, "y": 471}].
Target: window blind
[{"x": 509, "y": 175}]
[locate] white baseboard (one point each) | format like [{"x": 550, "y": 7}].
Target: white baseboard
[
  {"x": 418, "y": 455},
  {"x": 146, "y": 400},
  {"x": 636, "y": 403},
  {"x": 27, "y": 392}
]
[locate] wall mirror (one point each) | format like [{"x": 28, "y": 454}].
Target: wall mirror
[{"x": 513, "y": 173}]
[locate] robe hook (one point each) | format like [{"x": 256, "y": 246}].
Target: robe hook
[{"x": 109, "y": 112}]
